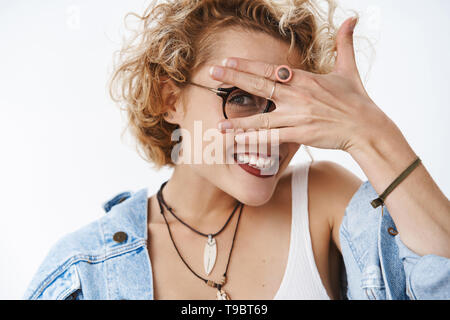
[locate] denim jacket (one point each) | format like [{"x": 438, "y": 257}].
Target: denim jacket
[{"x": 108, "y": 259}]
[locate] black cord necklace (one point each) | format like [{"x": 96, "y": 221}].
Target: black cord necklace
[
  {"x": 210, "y": 251},
  {"x": 221, "y": 294}
]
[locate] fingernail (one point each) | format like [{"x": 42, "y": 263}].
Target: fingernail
[
  {"x": 225, "y": 125},
  {"x": 216, "y": 72},
  {"x": 353, "y": 23},
  {"x": 230, "y": 63}
]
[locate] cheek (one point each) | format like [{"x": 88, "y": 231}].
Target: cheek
[
  {"x": 204, "y": 110},
  {"x": 199, "y": 130}
]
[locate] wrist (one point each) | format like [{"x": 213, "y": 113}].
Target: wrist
[{"x": 383, "y": 153}]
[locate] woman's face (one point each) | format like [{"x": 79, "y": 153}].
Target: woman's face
[{"x": 203, "y": 111}]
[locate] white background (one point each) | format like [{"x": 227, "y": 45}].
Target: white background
[{"x": 61, "y": 151}]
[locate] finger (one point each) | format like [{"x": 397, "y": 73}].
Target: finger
[
  {"x": 263, "y": 69},
  {"x": 251, "y": 83},
  {"x": 269, "y": 120},
  {"x": 261, "y": 141},
  {"x": 258, "y": 68},
  {"x": 345, "y": 60},
  {"x": 268, "y": 139}
]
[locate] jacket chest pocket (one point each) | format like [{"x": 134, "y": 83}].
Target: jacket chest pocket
[
  {"x": 76, "y": 295},
  {"x": 372, "y": 283},
  {"x": 66, "y": 286}
]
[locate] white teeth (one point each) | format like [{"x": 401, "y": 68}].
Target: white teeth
[
  {"x": 260, "y": 163},
  {"x": 256, "y": 161}
]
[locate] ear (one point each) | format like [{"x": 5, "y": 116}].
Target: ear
[{"x": 170, "y": 94}]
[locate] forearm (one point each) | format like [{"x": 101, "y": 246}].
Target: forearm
[{"x": 418, "y": 207}]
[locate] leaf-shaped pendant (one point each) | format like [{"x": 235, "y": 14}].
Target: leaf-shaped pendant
[
  {"x": 210, "y": 254},
  {"x": 222, "y": 295}
]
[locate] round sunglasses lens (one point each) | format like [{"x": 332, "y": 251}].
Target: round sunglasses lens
[{"x": 243, "y": 104}]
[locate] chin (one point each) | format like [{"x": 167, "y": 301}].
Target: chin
[
  {"x": 248, "y": 189},
  {"x": 255, "y": 198},
  {"x": 250, "y": 184}
]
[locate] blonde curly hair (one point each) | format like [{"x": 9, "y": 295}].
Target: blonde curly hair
[{"x": 174, "y": 38}]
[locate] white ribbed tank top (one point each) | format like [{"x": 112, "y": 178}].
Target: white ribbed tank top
[{"x": 301, "y": 280}]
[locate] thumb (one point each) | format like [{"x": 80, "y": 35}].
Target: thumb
[{"x": 345, "y": 60}]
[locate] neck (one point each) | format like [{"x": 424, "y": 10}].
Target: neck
[{"x": 195, "y": 199}]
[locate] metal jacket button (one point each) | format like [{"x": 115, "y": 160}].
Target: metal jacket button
[
  {"x": 120, "y": 237},
  {"x": 392, "y": 232}
]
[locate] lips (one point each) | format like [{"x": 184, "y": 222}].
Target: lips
[{"x": 260, "y": 165}]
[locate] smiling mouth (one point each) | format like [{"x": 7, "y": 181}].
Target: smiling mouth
[{"x": 262, "y": 166}]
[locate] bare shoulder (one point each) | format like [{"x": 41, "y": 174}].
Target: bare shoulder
[
  {"x": 326, "y": 180},
  {"x": 331, "y": 187},
  {"x": 334, "y": 177}
]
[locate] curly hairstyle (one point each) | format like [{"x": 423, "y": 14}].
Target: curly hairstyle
[{"x": 174, "y": 38}]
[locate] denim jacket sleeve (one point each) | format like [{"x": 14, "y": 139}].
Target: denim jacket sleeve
[
  {"x": 58, "y": 276},
  {"x": 427, "y": 277},
  {"x": 104, "y": 260},
  {"x": 378, "y": 265}
]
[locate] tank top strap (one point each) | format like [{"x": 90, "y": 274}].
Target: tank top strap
[{"x": 301, "y": 279}]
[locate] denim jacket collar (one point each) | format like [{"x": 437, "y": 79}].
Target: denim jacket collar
[
  {"x": 129, "y": 212},
  {"x": 129, "y": 279}
]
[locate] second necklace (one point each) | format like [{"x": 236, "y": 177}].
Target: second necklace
[{"x": 210, "y": 251}]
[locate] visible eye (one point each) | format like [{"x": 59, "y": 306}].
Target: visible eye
[
  {"x": 242, "y": 99},
  {"x": 241, "y": 104}
]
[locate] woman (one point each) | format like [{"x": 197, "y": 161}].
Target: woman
[{"x": 243, "y": 224}]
